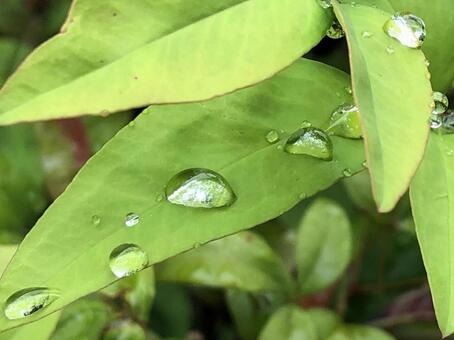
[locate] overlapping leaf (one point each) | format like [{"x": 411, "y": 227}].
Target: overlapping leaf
[{"x": 116, "y": 55}]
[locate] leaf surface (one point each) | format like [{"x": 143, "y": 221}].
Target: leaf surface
[
  {"x": 67, "y": 251},
  {"x": 394, "y": 98},
  {"x": 111, "y": 56}
]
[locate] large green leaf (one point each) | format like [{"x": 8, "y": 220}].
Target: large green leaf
[
  {"x": 242, "y": 261},
  {"x": 394, "y": 97},
  {"x": 69, "y": 250},
  {"x": 114, "y": 55},
  {"x": 324, "y": 246},
  {"x": 438, "y": 16},
  {"x": 432, "y": 195},
  {"x": 289, "y": 322},
  {"x": 325, "y": 322}
]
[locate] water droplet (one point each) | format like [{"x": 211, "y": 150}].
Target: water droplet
[
  {"x": 325, "y": 3},
  {"x": 302, "y": 196},
  {"x": 197, "y": 245},
  {"x": 127, "y": 259},
  {"x": 132, "y": 123},
  {"x": 28, "y": 301},
  {"x": 390, "y": 50},
  {"x": 132, "y": 219},
  {"x": 347, "y": 173},
  {"x": 335, "y": 31},
  {"x": 408, "y": 29},
  {"x": 306, "y": 124},
  {"x": 441, "y": 103},
  {"x": 450, "y": 152},
  {"x": 344, "y": 122},
  {"x": 104, "y": 113},
  {"x": 199, "y": 188},
  {"x": 364, "y": 164},
  {"x": 448, "y": 122},
  {"x": 348, "y": 89},
  {"x": 272, "y": 136},
  {"x": 426, "y": 62},
  {"x": 312, "y": 142},
  {"x": 280, "y": 147},
  {"x": 366, "y": 34},
  {"x": 96, "y": 220},
  {"x": 436, "y": 121},
  {"x": 159, "y": 198}
]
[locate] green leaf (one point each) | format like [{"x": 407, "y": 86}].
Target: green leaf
[
  {"x": 125, "y": 329},
  {"x": 325, "y": 322},
  {"x": 243, "y": 261},
  {"x": 6, "y": 253},
  {"x": 432, "y": 193},
  {"x": 324, "y": 246},
  {"x": 394, "y": 98},
  {"x": 359, "y": 333},
  {"x": 101, "y": 129},
  {"x": 68, "y": 251},
  {"x": 83, "y": 319},
  {"x": 158, "y": 52},
  {"x": 289, "y": 322},
  {"x": 439, "y": 45}
]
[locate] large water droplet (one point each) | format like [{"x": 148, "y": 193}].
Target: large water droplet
[
  {"x": 441, "y": 103},
  {"x": 325, "y": 3},
  {"x": 199, "y": 188},
  {"x": 132, "y": 219},
  {"x": 272, "y": 136},
  {"x": 344, "y": 122},
  {"x": 335, "y": 31},
  {"x": 408, "y": 29},
  {"x": 28, "y": 301},
  {"x": 312, "y": 142},
  {"x": 127, "y": 259}
]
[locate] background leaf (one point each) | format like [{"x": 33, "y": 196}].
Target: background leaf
[
  {"x": 324, "y": 246},
  {"x": 394, "y": 114},
  {"x": 432, "y": 192},
  {"x": 66, "y": 250},
  {"x": 158, "y": 52},
  {"x": 243, "y": 261},
  {"x": 359, "y": 333}
]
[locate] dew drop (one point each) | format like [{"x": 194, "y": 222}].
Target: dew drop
[
  {"x": 426, "y": 62},
  {"x": 159, "y": 198},
  {"x": 347, "y": 173},
  {"x": 29, "y": 301},
  {"x": 408, "y": 29},
  {"x": 364, "y": 164},
  {"x": 279, "y": 147},
  {"x": 366, "y": 34},
  {"x": 325, "y": 3},
  {"x": 335, "y": 31},
  {"x": 272, "y": 136},
  {"x": 196, "y": 245},
  {"x": 127, "y": 259},
  {"x": 306, "y": 124},
  {"x": 132, "y": 219},
  {"x": 436, "y": 121},
  {"x": 441, "y": 103},
  {"x": 390, "y": 50},
  {"x": 344, "y": 122},
  {"x": 312, "y": 142},
  {"x": 348, "y": 89},
  {"x": 199, "y": 188},
  {"x": 302, "y": 196},
  {"x": 132, "y": 123},
  {"x": 96, "y": 220}
]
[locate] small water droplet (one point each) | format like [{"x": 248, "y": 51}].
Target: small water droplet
[
  {"x": 353, "y": 4},
  {"x": 272, "y": 136},
  {"x": 199, "y": 188},
  {"x": 390, "y": 50},
  {"x": 441, "y": 103},
  {"x": 347, "y": 173},
  {"x": 364, "y": 164},
  {"x": 159, "y": 198},
  {"x": 325, "y": 3},
  {"x": 436, "y": 121},
  {"x": 28, "y": 301},
  {"x": 132, "y": 219},
  {"x": 335, "y": 31},
  {"x": 127, "y": 259},
  {"x": 104, "y": 113},
  {"x": 311, "y": 142},
  {"x": 280, "y": 147},
  {"x": 408, "y": 29},
  {"x": 197, "y": 245},
  {"x": 306, "y": 124},
  {"x": 348, "y": 89},
  {"x": 426, "y": 62},
  {"x": 132, "y": 123},
  {"x": 96, "y": 220},
  {"x": 302, "y": 196},
  {"x": 450, "y": 152},
  {"x": 344, "y": 122},
  {"x": 366, "y": 34}
]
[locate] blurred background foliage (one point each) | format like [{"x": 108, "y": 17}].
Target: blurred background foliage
[{"x": 330, "y": 254}]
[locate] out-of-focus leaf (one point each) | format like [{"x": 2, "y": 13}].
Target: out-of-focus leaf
[
  {"x": 101, "y": 129},
  {"x": 438, "y": 15},
  {"x": 242, "y": 261},
  {"x": 394, "y": 98},
  {"x": 324, "y": 321},
  {"x": 359, "y": 333},
  {"x": 359, "y": 191},
  {"x": 69, "y": 249},
  {"x": 291, "y": 323},
  {"x": 125, "y": 330},
  {"x": 114, "y": 56},
  {"x": 324, "y": 246},
  {"x": 84, "y": 319},
  {"x": 13, "y": 17},
  {"x": 432, "y": 194},
  {"x": 250, "y": 311}
]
